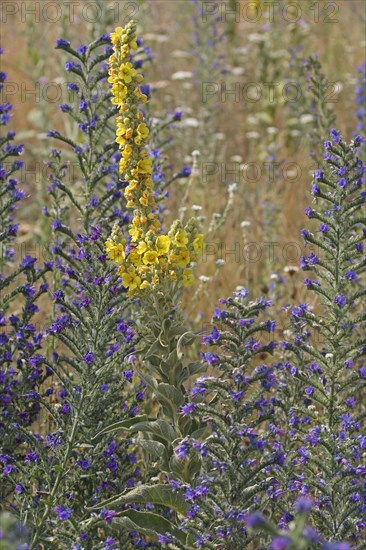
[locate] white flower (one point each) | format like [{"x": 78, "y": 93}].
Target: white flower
[{"x": 181, "y": 75}]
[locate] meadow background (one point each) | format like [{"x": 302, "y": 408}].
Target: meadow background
[{"x": 255, "y": 137}]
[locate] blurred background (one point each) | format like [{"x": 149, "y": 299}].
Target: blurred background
[{"x": 236, "y": 74}]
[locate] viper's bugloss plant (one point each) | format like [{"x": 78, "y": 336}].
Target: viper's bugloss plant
[
  {"x": 324, "y": 383},
  {"x": 361, "y": 98},
  {"x": 21, "y": 285},
  {"x": 88, "y": 345},
  {"x": 240, "y": 449}
]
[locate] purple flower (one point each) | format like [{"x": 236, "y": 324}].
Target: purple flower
[
  {"x": 309, "y": 390},
  {"x": 82, "y": 49},
  {"x": 61, "y": 42},
  {"x": 335, "y": 135},
  {"x": 324, "y": 228},
  {"x": 351, "y": 275},
  {"x": 188, "y": 408},
  {"x": 315, "y": 189},
  {"x": 177, "y": 115},
  {"x": 185, "y": 172},
  {"x": 28, "y": 262},
  {"x": 362, "y": 372},
  {"x": 62, "y": 512},
  {"x": 342, "y": 182},
  {"x": 89, "y": 358},
  {"x": 107, "y": 515},
  {"x": 303, "y": 505},
  {"x": 256, "y": 520},
  {"x": 319, "y": 175},
  {"x": 280, "y": 543},
  {"x": 84, "y": 463},
  {"x": 340, "y": 301}
]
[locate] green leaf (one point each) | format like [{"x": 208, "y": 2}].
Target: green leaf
[
  {"x": 122, "y": 424},
  {"x": 162, "y": 495},
  {"x": 186, "y": 339},
  {"x": 155, "y": 448},
  {"x": 170, "y": 398},
  {"x": 159, "y": 428},
  {"x": 149, "y": 524}
]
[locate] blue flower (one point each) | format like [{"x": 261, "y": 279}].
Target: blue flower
[
  {"x": 340, "y": 300},
  {"x": 89, "y": 358},
  {"x": 335, "y": 135},
  {"x": 28, "y": 262},
  {"x": 62, "y": 512},
  {"x": 61, "y": 42}
]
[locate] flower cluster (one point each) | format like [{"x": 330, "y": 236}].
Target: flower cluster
[{"x": 150, "y": 257}]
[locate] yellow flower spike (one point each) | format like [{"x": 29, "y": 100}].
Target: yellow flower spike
[{"x": 153, "y": 257}]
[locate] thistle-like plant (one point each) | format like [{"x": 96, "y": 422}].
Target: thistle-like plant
[
  {"x": 88, "y": 344},
  {"x": 21, "y": 285},
  {"x": 324, "y": 384}
]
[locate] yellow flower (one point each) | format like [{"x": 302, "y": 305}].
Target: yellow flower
[
  {"x": 121, "y": 269},
  {"x": 119, "y": 92},
  {"x": 135, "y": 233},
  {"x": 133, "y": 44},
  {"x": 115, "y": 252},
  {"x": 143, "y": 130},
  {"x": 144, "y": 166},
  {"x": 144, "y": 284},
  {"x": 182, "y": 259},
  {"x": 150, "y": 258},
  {"x": 116, "y": 36},
  {"x": 126, "y": 72},
  {"x": 141, "y": 247},
  {"x": 188, "y": 277},
  {"x": 180, "y": 238},
  {"x": 135, "y": 258},
  {"x": 162, "y": 244},
  {"x": 198, "y": 243},
  {"x": 131, "y": 280},
  {"x": 144, "y": 200}
]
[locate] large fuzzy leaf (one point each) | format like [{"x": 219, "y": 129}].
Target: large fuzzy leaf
[
  {"x": 150, "y": 524},
  {"x": 160, "y": 494}
]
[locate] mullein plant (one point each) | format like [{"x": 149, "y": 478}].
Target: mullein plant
[
  {"x": 21, "y": 285},
  {"x": 154, "y": 267},
  {"x": 322, "y": 389}
]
